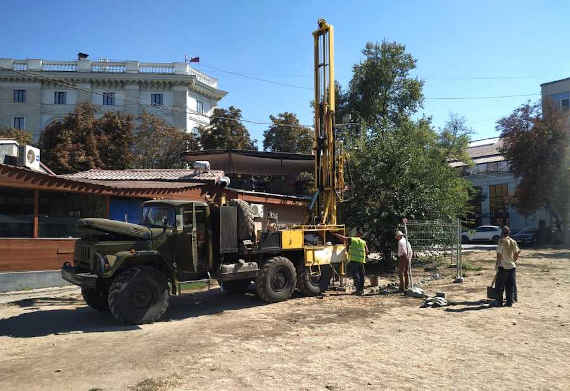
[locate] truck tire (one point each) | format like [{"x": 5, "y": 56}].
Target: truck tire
[
  {"x": 139, "y": 295},
  {"x": 313, "y": 285},
  {"x": 96, "y": 298},
  {"x": 236, "y": 286},
  {"x": 276, "y": 280},
  {"x": 245, "y": 219}
]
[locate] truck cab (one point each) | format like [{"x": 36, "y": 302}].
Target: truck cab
[{"x": 131, "y": 269}]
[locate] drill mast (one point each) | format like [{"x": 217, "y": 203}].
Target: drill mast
[{"x": 328, "y": 164}]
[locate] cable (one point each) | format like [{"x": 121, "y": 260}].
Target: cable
[
  {"x": 482, "y": 97},
  {"x": 154, "y": 107},
  {"x": 258, "y": 78}
]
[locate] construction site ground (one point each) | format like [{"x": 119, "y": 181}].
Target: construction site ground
[{"x": 50, "y": 340}]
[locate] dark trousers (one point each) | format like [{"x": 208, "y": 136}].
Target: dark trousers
[
  {"x": 506, "y": 282},
  {"x": 356, "y": 269}
]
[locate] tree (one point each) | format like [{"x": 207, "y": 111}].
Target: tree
[
  {"x": 80, "y": 142},
  {"x": 157, "y": 145},
  {"x": 226, "y": 131},
  {"x": 287, "y": 135},
  {"x": 23, "y": 137},
  {"x": 535, "y": 142},
  {"x": 382, "y": 92},
  {"x": 454, "y": 139},
  {"x": 397, "y": 165}
]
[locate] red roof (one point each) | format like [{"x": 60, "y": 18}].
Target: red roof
[{"x": 171, "y": 175}]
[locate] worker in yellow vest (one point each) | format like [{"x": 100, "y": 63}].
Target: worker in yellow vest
[{"x": 357, "y": 251}]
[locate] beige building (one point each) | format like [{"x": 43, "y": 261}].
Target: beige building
[
  {"x": 35, "y": 92},
  {"x": 558, "y": 93}
]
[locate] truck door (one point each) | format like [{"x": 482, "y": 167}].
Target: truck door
[{"x": 194, "y": 249}]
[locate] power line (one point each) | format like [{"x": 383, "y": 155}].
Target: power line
[
  {"x": 258, "y": 78},
  {"x": 483, "y": 97}
]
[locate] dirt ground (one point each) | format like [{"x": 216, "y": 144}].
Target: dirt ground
[{"x": 50, "y": 340}]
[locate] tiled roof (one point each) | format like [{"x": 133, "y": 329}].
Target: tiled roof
[
  {"x": 124, "y": 185},
  {"x": 171, "y": 175},
  {"x": 484, "y": 149}
]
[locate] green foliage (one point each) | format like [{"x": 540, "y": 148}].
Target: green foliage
[
  {"x": 382, "y": 92},
  {"x": 536, "y": 145},
  {"x": 157, "y": 145},
  {"x": 287, "y": 135},
  {"x": 397, "y": 165},
  {"x": 226, "y": 131},
  {"x": 454, "y": 139},
  {"x": 23, "y": 137}
]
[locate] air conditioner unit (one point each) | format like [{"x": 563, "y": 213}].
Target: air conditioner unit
[
  {"x": 257, "y": 210},
  {"x": 8, "y": 151},
  {"x": 29, "y": 157}
]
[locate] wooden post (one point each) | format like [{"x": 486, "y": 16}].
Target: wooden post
[
  {"x": 35, "y": 233},
  {"x": 107, "y": 206}
]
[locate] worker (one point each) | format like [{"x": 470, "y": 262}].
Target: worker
[
  {"x": 404, "y": 257},
  {"x": 357, "y": 251},
  {"x": 507, "y": 255}
]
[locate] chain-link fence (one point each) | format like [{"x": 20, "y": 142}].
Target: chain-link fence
[{"x": 435, "y": 240}]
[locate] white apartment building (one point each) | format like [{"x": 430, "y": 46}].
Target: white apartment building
[{"x": 35, "y": 92}]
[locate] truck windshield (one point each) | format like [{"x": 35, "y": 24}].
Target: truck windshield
[{"x": 158, "y": 216}]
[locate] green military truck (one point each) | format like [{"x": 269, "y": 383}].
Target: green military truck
[{"x": 132, "y": 269}]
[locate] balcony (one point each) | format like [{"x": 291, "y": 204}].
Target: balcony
[{"x": 107, "y": 66}]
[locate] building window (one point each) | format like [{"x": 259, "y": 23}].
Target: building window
[
  {"x": 195, "y": 132},
  {"x": 498, "y": 203},
  {"x": 108, "y": 99},
  {"x": 200, "y": 107},
  {"x": 19, "y": 96},
  {"x": 19, "y": 123},
  {"x": 565, "y": 104},
  {"x": 156, "y": 99},
  {"x": 59, "y": 97}
]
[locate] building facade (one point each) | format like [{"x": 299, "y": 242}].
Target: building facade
[
  {"x": 495, "y": 184},
  {"x": 558, "y": 93},
  {"x": 35, "y": 92}
]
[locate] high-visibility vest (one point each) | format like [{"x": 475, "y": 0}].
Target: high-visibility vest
[{"x": 357, "y": 250}]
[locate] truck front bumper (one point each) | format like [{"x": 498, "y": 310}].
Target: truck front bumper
[{"x": 71, "y": 274}]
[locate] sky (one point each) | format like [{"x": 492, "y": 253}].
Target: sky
[{"x": 474, "y": 51}]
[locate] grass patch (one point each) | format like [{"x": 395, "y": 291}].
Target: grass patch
[
  {"x": 468, "y": 266},
  {"x": 155, "y": 384}
]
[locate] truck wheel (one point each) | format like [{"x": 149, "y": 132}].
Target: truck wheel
[
  {"x": 236, "y": 286},
  {"x": 276, "y": 281},
  {"x": 96, "y": 298},
  {"x": 245, "y": 219},
  {"x": 313, "y": 285},
  {"x": 139, "y": 295}
]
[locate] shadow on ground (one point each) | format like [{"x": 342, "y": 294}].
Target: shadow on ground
[
  {"x": 41, "y": 320},
  {"x": 565, "y": 255},
  {"x": 477, "y": 305}
]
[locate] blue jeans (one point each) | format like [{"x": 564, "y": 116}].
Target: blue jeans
[{"x": 356, "y": 269}]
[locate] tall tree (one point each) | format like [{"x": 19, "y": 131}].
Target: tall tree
[
  {"x": 535, "y": 142},
  {"x": 397, "y": 165},
  {"x": 454, "y": 139},
  {"x": 157, "y": 145},
  {"x": 80, "y": 142},
  {"x": 23, "y": 137},
  {"x": 382, "y": 92},
  {"x": 287, "y": 135},
  {"x": 226, "y": 131}
]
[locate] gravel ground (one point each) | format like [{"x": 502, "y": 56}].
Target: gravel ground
[{"x": 50, "y": 340}]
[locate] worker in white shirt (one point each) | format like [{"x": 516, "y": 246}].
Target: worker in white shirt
[{"x": 405, "y": 257}]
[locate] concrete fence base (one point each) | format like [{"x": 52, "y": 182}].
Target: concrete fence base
[{"x": 17, "y": 281}]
